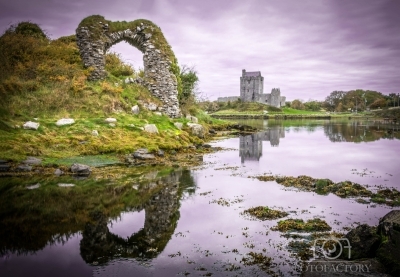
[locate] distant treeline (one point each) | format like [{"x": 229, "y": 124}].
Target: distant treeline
[{"x": 340, "y": 101}]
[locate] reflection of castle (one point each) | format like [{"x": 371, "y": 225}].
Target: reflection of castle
[{"x": 250, "y": 147}]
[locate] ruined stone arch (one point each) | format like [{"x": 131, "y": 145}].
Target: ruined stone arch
[{"x": 95, "y": 35}]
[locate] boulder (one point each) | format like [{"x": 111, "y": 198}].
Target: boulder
[
  {"x": 143, "y": 154},
  {"x": 389, "y": 250},
  {"x": 196, "y": 129},
  {"x": 192, "y": 118},
  {"x": 32, "y": 161},
  {"x": 178, "y": 125},
  {"x": 31, "y": 125},
  {"x": 151, "y": 128},
  {"x": 80, "y": 169},
  {"x": 65, "y": 121},
  {"x": 110, "y": 120},
  {"x": 135, "y": 109},
  {"x": 364, "y": 242}
]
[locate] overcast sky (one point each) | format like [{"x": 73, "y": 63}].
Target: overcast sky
[{"x": 307, "y": 48}]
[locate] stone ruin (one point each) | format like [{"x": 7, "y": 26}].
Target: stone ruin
[{"x": 95, "y": 39}]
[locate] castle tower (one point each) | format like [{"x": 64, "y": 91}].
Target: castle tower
[
  {"x": 275, "y": 99},
  {"x": 251, "y": 86}
]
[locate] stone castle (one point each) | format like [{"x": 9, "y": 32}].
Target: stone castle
[{"x": 252, "y": 90}]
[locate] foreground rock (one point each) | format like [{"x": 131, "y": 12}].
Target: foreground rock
[
  {"x": 389, "y": 250},
  {"x": 178, "y": 125},
  {"x": 196, "y": 129},
  {"x": 135, "y": 109},
  {"x": 65, "y": 121},
  {"x": 30, "y": 125},
  {"x": 81, "y": 169},
  {"x": 364, "y": 242},
  {"x": 381, "y": 243}
]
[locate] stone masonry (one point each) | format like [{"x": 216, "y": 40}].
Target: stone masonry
[
  {"x": 252, "y": 90},
  {"x": 158, "y": 78}
]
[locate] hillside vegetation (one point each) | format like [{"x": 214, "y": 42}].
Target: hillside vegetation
[{"x": 44, "y": 80}]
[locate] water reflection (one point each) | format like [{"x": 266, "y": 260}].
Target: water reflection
[
  {"x": 360, "y": 131},
  {"x": 250, "y": 147},
  {"x": 159, "y": 196}
]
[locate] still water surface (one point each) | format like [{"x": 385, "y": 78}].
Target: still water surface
[{"x": 193, "y": 217}]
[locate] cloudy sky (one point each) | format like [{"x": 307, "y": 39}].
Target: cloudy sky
[{"x": 307, "y": 48}]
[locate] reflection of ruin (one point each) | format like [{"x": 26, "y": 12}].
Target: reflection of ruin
[
  {"x": 161, "y": 217},
  {"x": 250, "y": 146}
]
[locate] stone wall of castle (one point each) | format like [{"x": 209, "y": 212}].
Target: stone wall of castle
[{"x": 227, "y": 99}]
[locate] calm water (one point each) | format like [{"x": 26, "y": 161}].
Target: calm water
[{"x": 182, "y": 229}]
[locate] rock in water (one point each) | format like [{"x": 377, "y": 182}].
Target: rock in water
[
  {"x": 389, "y": 250},
  {"x": 65, "y": 121},
  {"x": 80, "y": 169},
  {"x": 364, "y": 242},
  {"x": 151, "y": 128},
  {"x": 31, "y": 125},
  {"x": 135, "y": 109}
]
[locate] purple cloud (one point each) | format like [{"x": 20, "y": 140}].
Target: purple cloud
[{"x": 307, "y": 48}]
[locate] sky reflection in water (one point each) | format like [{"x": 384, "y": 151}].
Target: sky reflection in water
[{"x": 204, "y": 233}]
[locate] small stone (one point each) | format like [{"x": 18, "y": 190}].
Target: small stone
[
  {"x": 110, "y": 120},
  {"x": 112, "y": 124},
  {"x": 178, "y": 125},
  {"x": 31, "y": 125},
  {"x": 24, "y": 168},
  {"x": 64, "y": 185},
  {"x": 212, "y": 131},
  {"x": 158, "y": 113},
  {"x": 152, "y": 107},
  {"x": 35, "y": 186},
  {"x": 95, "y": 133},
  {"x": 151, "y": 128},
  {"x": 135, "y": 109},
  {"x": 143, "y": 154},
  {"x": 58, "y": 172},
  {"x": 65, "y": 121},
  {"x": 160, "y": 153},
  {"x": 80, "y": 169},
  {"x": 32, "y": 160}
]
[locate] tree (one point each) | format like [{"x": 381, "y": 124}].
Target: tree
[
  {"x": 189, "y": 83},
  {"x": 297, "y": 104}
]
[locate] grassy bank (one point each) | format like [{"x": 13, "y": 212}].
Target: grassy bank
[{"x": 43, "y": 80}]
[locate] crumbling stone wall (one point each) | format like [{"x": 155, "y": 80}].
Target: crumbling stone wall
[{"x": 94, "y": 41}]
